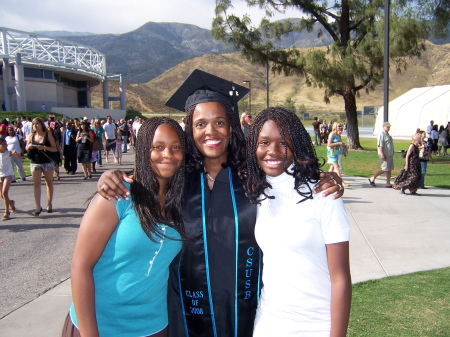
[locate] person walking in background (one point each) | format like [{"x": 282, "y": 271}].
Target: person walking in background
[
  {"x": 120, "y": 265},
  {"x": 324, "y": 132},
  {"x": 424, "y": 157},
  {"x": 410, "y": 175},
  {"x": 442, "y": 141},
  {"x": 26, "y": 128},
  {"x": 17, "y": 128},
  {"x": 4, "y": 128},
  {"x": 55, "y": 127},
  {"x": 84, "y": 151},
  {"x": 246, "y": 120},
  {"x": 122, "y": 130},
  {"x": 429, "y": 128},
  {"x": 110, "y": 137},
  {"x": 100, "y": 138},
  {"x": 70, "y": 148},
  {"x": 118, "y": 151},
  {"x": 16, "y": 145},
  {"x": 434, "y": 139},
  {"x": 334, "y": 150},
  {"x": 133, "y": 130},
  {"x": 386, "y": 154},
  {"x": 6, "y": 176},
  {"x": 40, "y": 145},
  {"x": 448, "y": 133},
  {"x": 304, "y": 238},
  {"x": 316, "y": 127},
  {"x": 137, "y": 126},
  {"x": 330, "y": 126}
]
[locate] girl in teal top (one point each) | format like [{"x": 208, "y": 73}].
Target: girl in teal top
[
  {"x": 120, "y": 264},
  {"x": 334, "y": 150}
]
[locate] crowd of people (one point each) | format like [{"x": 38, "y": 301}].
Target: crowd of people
[
  {"x": 424, "y": 144},
  {"x": 322, "y": 130},
  {"x": 438, "y": 138},
  {"x": 54, "y": 143}
]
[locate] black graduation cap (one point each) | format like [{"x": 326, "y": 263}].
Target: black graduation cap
[{"x": 201, "y": 87}]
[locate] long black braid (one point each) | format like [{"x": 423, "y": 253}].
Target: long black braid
[
  {"x": 236, "y": 148},
  {"x": 145, "y": 186},
  {"x": 306, "y": 163}
]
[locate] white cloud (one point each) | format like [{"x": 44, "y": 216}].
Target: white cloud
[{"x": 112, "y": 16}]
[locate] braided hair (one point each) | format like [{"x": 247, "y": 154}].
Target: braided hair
[
  {"x": 306, "y": 166},
  {"x": 145, "y": 186},
  {"x": 236, "y": 148}
]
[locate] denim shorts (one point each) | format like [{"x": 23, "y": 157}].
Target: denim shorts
[{"x": 42, "y": 167}]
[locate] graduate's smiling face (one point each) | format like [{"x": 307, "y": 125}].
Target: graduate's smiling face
[
  {"x": 211, "y": 130},
  {"x": 272, "y": 151}
]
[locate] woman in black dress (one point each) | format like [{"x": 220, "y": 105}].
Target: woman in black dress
[
  {"x": 409, "y": 177},
  {"x": 84, "y": 149}
]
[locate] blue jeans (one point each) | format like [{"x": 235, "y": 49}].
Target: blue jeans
[
  {"x": 317, "y": 140},
  {"x": 423, "y": 165},
  {"x": 99, "y": 157}
]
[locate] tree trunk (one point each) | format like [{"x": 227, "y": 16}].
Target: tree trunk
[{"x": 352, "y": 120}]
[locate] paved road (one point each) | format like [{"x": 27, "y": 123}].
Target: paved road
[{"x": 35, "y": 252}]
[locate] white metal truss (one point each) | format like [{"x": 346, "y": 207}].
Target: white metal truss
[{"x": 40, "y": 50}]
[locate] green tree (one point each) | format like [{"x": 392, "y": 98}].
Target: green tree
[
  {"x": 289, "y": 105},
  {"x": 353, "y": 62}
]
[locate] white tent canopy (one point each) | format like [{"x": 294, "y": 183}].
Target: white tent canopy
[{"x": 415, "y": 109}]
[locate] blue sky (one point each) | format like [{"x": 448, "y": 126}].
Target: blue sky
[{"x": 112, "y": 16}]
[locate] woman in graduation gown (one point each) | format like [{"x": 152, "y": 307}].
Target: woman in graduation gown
[{"x": 214, "y": 282}]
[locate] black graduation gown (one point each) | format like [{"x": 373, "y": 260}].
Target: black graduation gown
[{"x": 215, "y": 282}]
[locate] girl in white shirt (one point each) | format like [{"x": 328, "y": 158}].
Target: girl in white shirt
[
  {"x": 6, "y": 177},
  {"x": 304, "y": 238},
  {"x": 15, "y": 143}
]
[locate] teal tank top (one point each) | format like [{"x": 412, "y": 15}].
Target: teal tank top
[{"x": 131, "y": 278}]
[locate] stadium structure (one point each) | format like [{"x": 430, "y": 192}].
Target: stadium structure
[{"x": 44, "y": 71}]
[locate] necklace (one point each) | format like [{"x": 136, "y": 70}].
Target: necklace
[{"x": 209, "y": 177}]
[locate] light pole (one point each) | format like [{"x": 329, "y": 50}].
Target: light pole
[
  {"x": 387, "y": 4},
  {"x": 249, "y": 95}
]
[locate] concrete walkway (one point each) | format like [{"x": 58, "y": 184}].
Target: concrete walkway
[{"x": 392, "y": 234}]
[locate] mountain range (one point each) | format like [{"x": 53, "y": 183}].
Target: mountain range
[
  {"x": 153, "y": 48},
  {"x": 148, "y": 51},
  {"x": 156, "y": 57}
]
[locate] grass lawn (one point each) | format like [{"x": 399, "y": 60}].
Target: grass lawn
[
  {"x": 366, "y": 162},
  {"x": 409, "y": 305}
]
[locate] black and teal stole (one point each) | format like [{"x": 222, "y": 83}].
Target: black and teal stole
[{"x": 220, "y": 267}]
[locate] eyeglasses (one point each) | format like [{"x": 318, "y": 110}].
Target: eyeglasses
[{"x": 249, "y": 116}]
